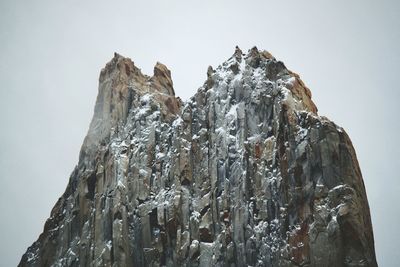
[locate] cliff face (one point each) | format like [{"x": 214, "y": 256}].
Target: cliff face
[{"x": 245, "y": 173}]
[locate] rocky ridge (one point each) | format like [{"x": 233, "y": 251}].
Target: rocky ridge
[{"x": 245, "y": 173}]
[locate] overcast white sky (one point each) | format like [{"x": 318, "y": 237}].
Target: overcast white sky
[{"x": 51, "y": 53}]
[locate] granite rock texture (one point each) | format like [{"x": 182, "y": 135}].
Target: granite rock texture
[{"x": 245, "y": 173}]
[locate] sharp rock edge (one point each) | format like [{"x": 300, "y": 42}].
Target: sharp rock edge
[{"x": 245, "y": 173}]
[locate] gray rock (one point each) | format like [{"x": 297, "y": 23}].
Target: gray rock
[{"x": 245, "y": 173}]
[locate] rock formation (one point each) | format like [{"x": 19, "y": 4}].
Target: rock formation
[{"x": 245, "y": 173}]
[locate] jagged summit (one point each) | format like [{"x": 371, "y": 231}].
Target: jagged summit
[
  {"x": 121, "y": 86},
  {"x": 162, "y": 79},
  {"x": 121, "y": 66},
  {"x": 126, "y": 71},
  {"x": 252, "y": 53},
  {"x": 244, "y": 173},
  {"x": 266, "y": 72}
]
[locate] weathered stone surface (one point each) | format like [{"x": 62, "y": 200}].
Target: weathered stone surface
[{"x": 245, "y": 173}]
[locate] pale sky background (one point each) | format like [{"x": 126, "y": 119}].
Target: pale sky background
[{"x": 51, "y": 53}]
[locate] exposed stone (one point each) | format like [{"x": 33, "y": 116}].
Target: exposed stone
[
  {"x": 245, "y": 173},
  {"x": 162, "y": 79}
]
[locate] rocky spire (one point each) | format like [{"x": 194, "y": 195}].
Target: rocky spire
[
  {"x": 245, "y": 173},
  {"x": 209, "y": 82},
  {"x": 238, "y": 54},
  {"x": 121, "y": 84},
  {"x": 162, "y": 79}
]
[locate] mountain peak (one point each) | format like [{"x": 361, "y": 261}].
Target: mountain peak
[
  {"x": 264, "y": 70},
  {"x": 122, "y": 67},
  {"x": 244, "y": 173},
  {"x": 162, "y": 79},
  {"x": 121, "y": 85}
]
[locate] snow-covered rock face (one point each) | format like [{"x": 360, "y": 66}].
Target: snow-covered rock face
[{"x": 245, "y": 173}]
